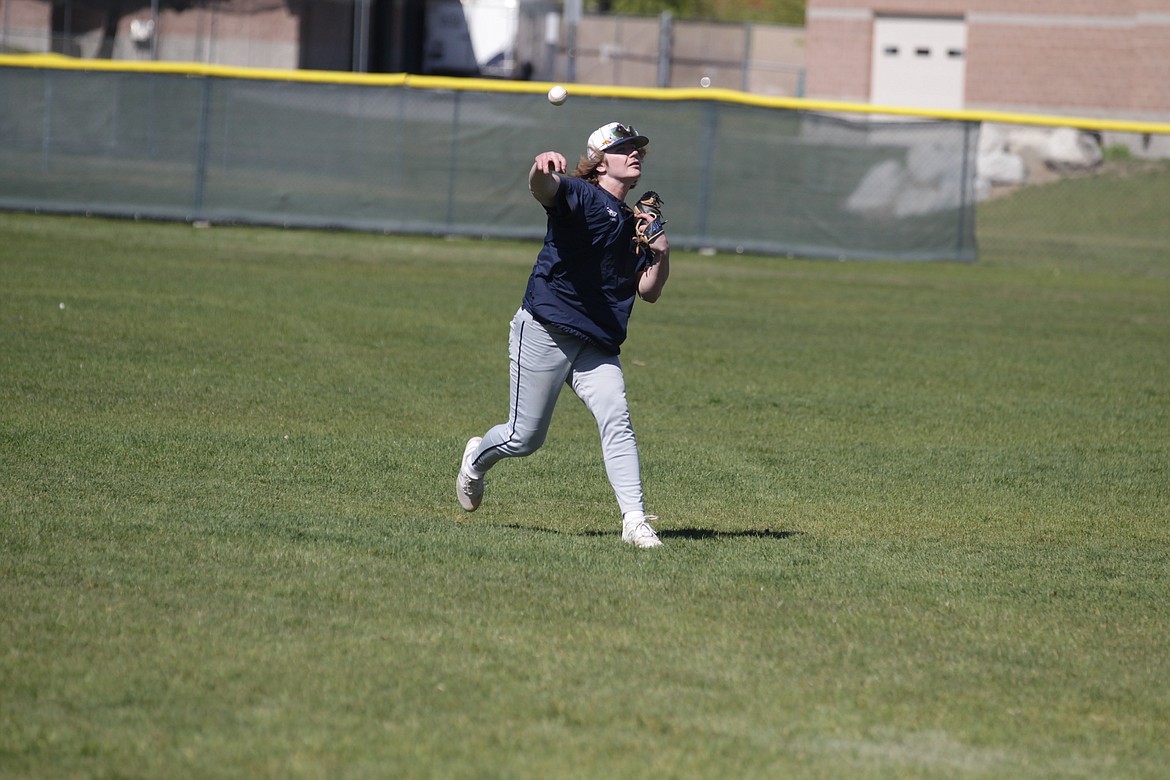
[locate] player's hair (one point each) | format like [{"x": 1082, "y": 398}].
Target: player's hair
[{"x": 587, "y": 169}]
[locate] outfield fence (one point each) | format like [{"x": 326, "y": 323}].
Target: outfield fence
[{"x": 431, "y": 155}]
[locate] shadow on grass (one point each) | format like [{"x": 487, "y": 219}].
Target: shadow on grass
[
  {"x": 707, "y": 533},
  {"x": 696, "y": 534}
]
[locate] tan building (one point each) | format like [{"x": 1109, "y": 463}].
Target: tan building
[{"x": 1092, "y": 58}]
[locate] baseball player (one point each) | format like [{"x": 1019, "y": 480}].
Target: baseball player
[{"x": 598, "y": 254}]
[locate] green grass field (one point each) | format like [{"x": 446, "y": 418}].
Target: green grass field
[{"x": 915, "y": 515}]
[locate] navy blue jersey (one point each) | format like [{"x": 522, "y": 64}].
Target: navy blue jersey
[{"x": 586, "y": 275}]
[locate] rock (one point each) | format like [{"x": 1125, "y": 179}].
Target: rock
[
  {"x": 1069, "y": 149},
  {"x": 879, "y": 189},
  {"x": 1002, "y": 168}
]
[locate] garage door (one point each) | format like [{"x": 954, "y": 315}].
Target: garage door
[{"x": 919, "y": 62}]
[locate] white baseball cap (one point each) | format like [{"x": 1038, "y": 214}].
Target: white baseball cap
[{"x": 611, "y": 135}]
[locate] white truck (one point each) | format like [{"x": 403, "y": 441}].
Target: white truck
[{"x": 507, "y": 39}]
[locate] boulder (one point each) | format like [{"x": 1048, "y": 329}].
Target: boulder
[
  {"x": 1002, "y": 168},
  {"x": 1069, "y": 149}
]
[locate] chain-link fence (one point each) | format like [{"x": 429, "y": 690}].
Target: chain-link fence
[
  {"x": 450, "y": 157},
  {"x": 764, "y": 59}
]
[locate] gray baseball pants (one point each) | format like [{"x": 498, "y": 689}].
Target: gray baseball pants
[{"x": 542, "y": 360}]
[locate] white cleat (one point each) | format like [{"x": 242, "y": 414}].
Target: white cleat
[
  {"x": 640, "y": 534},
  {"x": 468, "y": 489}
]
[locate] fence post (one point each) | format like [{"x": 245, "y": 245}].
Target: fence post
[
  {"x": 361, "y": 36},
  {"x": 453, "y": 166},
  {"x": 747, "y": 57},
  {"x": 154, "y": 4},
  {"x": 47, "y": 121},
  {"x": 965, "y": 189},
  {"x": 665, "y": 22},
  {"x": 201, "y": 146},
  {"x": 706, "y": 167},
  {"x": 572, "y": 21}
]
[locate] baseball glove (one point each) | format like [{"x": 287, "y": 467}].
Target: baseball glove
[{"x": 648, "y": 230}]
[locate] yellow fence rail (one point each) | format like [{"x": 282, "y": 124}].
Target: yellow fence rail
[{"x": 589, "y": 90}]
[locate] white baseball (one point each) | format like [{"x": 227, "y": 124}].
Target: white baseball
[{"x": 558, "y": 95}]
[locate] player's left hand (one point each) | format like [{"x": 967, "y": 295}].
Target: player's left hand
[
  {"x": 659, "y": 244},
  {"x": 651, "y": 227}
]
